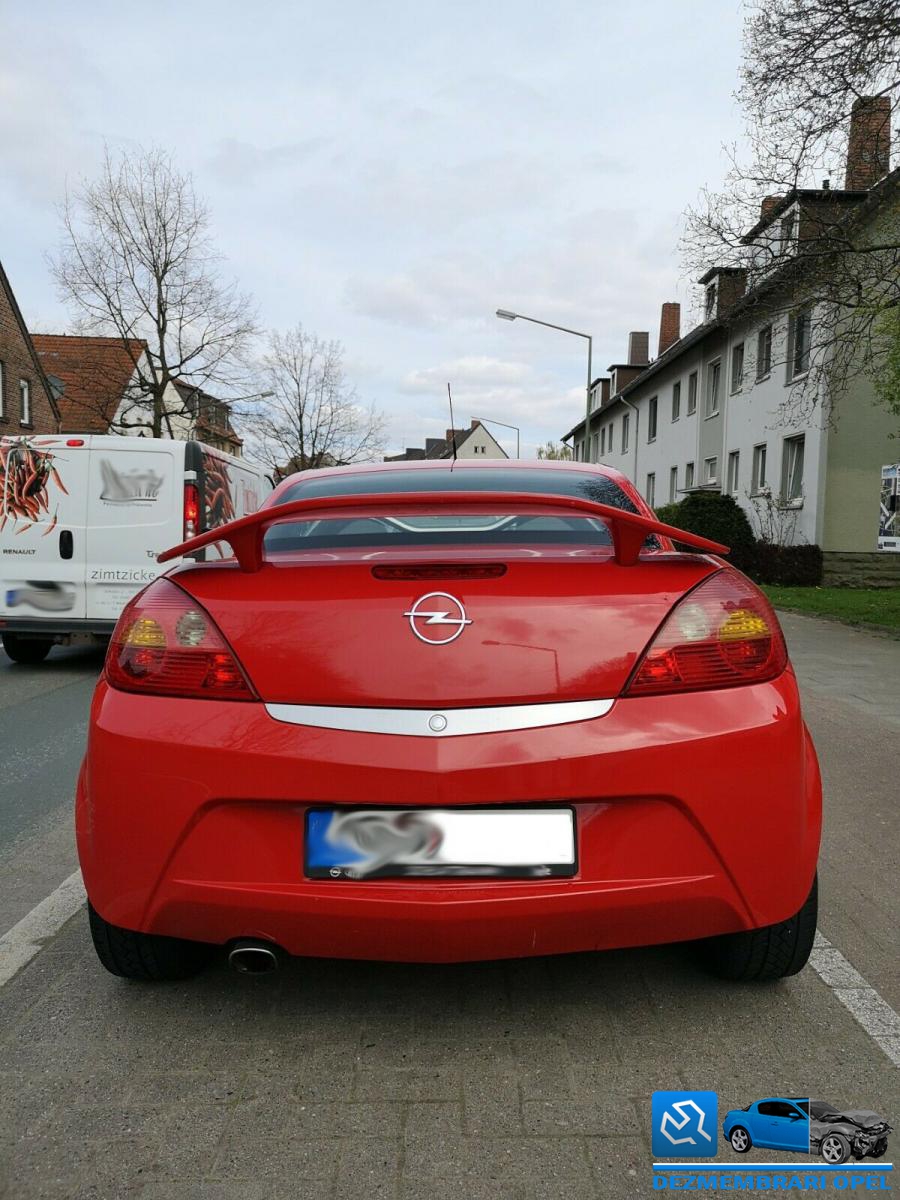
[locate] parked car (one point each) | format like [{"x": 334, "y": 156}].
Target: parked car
[
  {"x": 776, "y": 1123},
  {"x": 82, "y": 520},
  {"x": 837, "y": 1133},
  {"x": 441, "y": 711}
]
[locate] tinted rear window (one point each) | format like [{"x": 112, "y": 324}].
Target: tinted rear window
[{"x": 453, "y": 527}]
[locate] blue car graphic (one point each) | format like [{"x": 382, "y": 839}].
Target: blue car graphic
[{"x": 776, "y": 1123}]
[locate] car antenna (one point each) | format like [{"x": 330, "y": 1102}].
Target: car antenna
[{"x": 452, "y": 426}]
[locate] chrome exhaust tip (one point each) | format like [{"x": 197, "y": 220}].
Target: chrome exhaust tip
[{"x": 253, "y": 958}]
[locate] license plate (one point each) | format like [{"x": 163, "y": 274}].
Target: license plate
[{"x": 372, "y": 843}]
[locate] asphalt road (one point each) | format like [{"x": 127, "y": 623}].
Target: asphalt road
[{"x": 509, "y": 1080}]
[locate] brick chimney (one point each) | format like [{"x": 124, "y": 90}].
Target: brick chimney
[
  {"x": 769, "y": 204},
  {"x": 669, "y": 325},
  {"x": 869, "y": 144},
  {"x": 638, "y": 349}
]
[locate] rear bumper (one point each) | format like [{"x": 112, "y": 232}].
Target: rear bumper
[
  {"x": 55, "y": 627},
  {"x": 696, "y": 815}
]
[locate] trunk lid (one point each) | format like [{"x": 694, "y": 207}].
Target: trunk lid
[{"x": 325, "y": 630}]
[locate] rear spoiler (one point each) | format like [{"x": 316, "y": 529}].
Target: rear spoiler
[{"x": 628, "y": 530}]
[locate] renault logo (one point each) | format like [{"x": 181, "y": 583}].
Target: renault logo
[{"x": 437, "y": 618}]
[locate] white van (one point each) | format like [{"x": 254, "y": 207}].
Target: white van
[{"x": 82, "y": 519}]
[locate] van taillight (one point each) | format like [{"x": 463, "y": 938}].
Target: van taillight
[
  {"x": 166, "y": 644},
  {"x": 722, "y": 634},
  {"x": 191, "y": 510}
]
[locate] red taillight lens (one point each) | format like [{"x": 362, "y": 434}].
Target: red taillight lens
[
  {"x": 722, "y": 634},
  {"x": 191, "y": 510},
  {"x": 167, "y": 645}
]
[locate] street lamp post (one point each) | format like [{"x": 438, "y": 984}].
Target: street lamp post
[
  {"x": 492, "y": 421},
  {"x": 505, "y": 315}
]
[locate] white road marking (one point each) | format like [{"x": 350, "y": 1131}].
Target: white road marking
[
  {"x": 19, "y": 945},
  {"x": 860, "y": 999}
]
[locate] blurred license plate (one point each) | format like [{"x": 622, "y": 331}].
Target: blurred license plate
[{"x": 372, "y": 843}]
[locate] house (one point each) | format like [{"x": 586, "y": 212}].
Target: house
[
  {"x": 98, "y": 380},
  {"x": 716, "y": 408},
  {"x": 100, "y": 391},
  {"x": 474, "y": 442},
  {"x": 27, "y": 403},
  {"x": 209, "y": 419}
]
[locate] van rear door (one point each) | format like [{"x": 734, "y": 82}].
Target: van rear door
[
  {"x": 135, "y": 510},
  {"x": 43, "y": 510}
]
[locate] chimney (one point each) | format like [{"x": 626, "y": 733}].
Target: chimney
[
  {"x": 638, "y": 349},
  {"x": 669, "y": 325},
  {"x": 769, "y": 204},
  {"x": 869, "y": 144}
]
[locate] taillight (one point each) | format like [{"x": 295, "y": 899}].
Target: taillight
[
  {"x": 722, "y": 634},
  {"x": 191, "y": 510},
  {"x": 167, "y": 645}
]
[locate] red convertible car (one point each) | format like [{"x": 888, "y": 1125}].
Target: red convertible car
[{"x": 436, "y": 712}]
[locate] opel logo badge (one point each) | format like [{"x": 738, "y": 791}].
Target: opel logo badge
[{"x": 437, "y": 619}]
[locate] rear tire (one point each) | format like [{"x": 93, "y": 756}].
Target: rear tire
[
  {"x": 147, "y": 957},
  {"x": 740, "y": 1140},
  {"x": 763, "y": 955},
  {"x": 28, "y": 651}
]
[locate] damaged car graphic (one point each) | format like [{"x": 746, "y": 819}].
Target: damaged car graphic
[{"x": 837, "y": 1135}]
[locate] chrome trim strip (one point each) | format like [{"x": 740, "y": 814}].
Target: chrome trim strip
[{"x": 435, "y": 722}]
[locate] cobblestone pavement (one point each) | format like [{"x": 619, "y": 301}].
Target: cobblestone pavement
[{"x": 513, "y": 1080}]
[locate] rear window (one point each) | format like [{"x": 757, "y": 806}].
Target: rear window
[{"x": 453, "y": 527}]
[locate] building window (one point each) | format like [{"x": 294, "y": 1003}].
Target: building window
[
  {"x": 734, "y": 468},
  {"x": 25, "y": 401},
  {"x": 651, "y": 489},
  {"x": 673, "y": 484},
  {"x": 676, "y": 400},
  {"x": 624, "y": 432},
  {"x": 792, "y": 469},
  {"x": 713, "y": 380},
  {"x": 2, "y": 391},
  {"x": 594, "y": 447},
  {"x": 710, "y": 302},
  {"x": 603, "y": 439},
  {"x": 764, "y": 352},
  {"x": 759, "y": 468},
  {"x": 692, "y": 394},
  {"x": 786, "y": 231},
  {"x": 737, "y": 367},
  {"x": 799, "y": 331},
  {"x": 689, "y": 476},
  {"x": 651, "y": 419},
  {"x": 711, "y": 470}
]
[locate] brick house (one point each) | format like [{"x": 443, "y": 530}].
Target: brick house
[
  {"x": 27, "y": 403},
  {"x": 101, "y": 392}
]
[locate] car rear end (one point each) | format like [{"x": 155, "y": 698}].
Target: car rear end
[{"x": 604, "y": 754}]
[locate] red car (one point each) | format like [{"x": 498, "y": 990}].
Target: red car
[{"x": 437, "y": 712}]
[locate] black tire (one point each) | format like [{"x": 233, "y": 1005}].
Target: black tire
[
  {"x": 26, "y": 650},
  {"x": 763, "y": 955},
  {"x": 744, "y": 1140},
  {"x": 145, "y": 956},
  {"x": 879, "y": 1150},
  {"x": 835, "y": 1149}
]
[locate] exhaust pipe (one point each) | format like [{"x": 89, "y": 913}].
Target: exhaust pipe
[{"x": 254, "y": 958}]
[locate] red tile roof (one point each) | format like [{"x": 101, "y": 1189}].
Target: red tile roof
[{"x": 95, "y": 372}]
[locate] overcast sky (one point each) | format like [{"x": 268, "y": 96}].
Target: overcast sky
[{"x": 390, "y": 173}]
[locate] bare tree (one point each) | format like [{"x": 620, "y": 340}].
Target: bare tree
[
  {"x": 555, "y": 450},
  {"x": 314, "y": 417},
  {"x": 137, "y": 263},
  {"x": 811, "y": 69}
]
